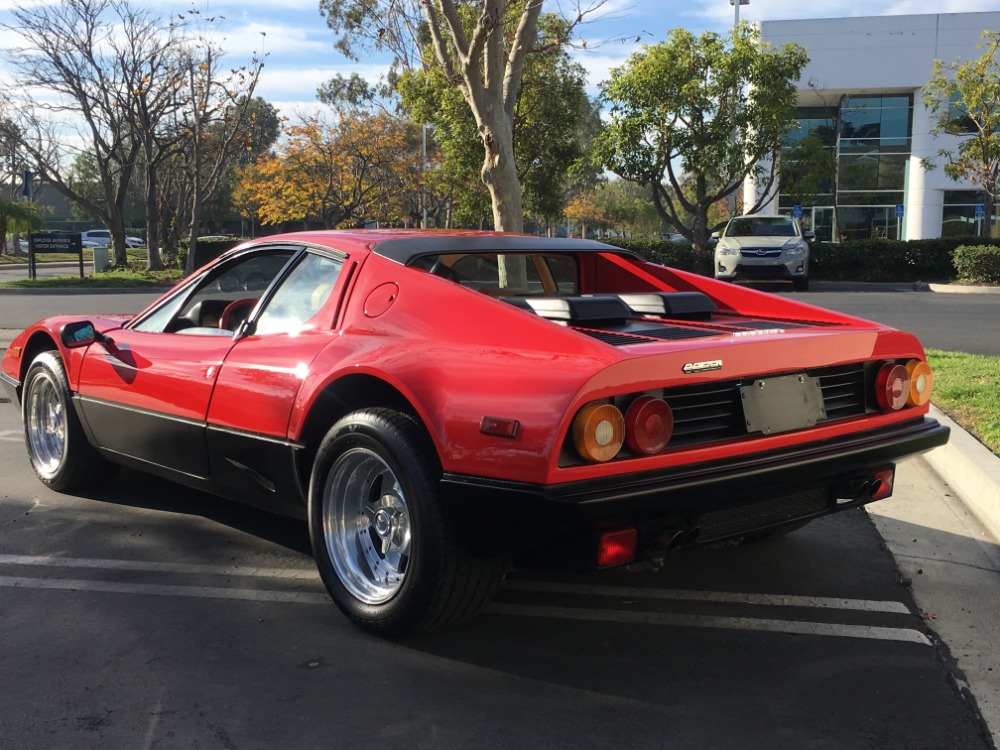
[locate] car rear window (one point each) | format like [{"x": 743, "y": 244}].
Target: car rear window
[{"x": 506, "y": 274}]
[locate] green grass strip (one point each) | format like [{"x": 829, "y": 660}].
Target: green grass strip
[{"x": 967, "y": 389}]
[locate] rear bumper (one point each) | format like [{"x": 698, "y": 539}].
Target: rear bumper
[{"x": 716, "y": 499}]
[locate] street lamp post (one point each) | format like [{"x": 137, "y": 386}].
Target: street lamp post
[
  {"x": 736, "y": 11},
  {"x": 733, "y": 200}
]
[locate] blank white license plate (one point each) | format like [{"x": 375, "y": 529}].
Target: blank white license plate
[{"x": 782, "y": 404}]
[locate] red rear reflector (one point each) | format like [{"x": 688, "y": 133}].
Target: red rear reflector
[
  {"x": 617, "y": 547},
  {"x": 499, "y": 426},
  {"x": 882, "y": 486}
]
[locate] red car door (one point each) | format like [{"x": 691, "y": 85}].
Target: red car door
[{"x": 146, "y": 396}]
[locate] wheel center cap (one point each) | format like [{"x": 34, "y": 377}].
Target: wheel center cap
[{"x": 383, "y": 523}]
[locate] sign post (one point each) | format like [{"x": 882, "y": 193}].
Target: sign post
[
  {"x": 899, "y": 224},
  {"x": 980, "y": 213},
  {"x": 53, "y": 243}
]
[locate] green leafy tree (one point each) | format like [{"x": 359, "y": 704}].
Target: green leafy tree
[
  {"x": 17, "y": 217},
  {"x": 963, "y": 99},
  {"x": 692, "y": 117},
  {"x": 552, "y": 100},
  {"x": 484, "y": 61}
]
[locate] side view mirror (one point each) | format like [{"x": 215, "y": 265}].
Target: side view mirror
[
  {"x": 809, "y": 234},
  {"x": 80, "y": 334},
  {"x": 716, "y": 235}
]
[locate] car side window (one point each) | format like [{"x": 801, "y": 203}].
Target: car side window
[
  {"x": 300, "y": 296},
  {"x": 222, "y": 300}
]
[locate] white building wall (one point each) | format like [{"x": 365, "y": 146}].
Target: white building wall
[{"x": 888, "y": 55}]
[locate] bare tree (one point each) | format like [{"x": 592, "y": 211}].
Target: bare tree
[
  {"x": 216, "y": 106},
  {"x": 68, "y": 75},
  {"x": 149, "y": 65}
]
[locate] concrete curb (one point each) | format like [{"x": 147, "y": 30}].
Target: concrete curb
[
  {"x": 959, "y": 289},
  {"x": 971, "y": 469}
]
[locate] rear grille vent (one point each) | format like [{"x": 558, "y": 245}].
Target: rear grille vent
[
  {"x": 646, "y": 334},
  {"x": 714, "y": 411},
  {"x": 705, "y": 413},
  {"x": 647, "y": 331},
  {"x": 843, "y": 390}
]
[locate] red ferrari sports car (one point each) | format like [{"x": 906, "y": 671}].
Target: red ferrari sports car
[{"x": 436, "y": 404}]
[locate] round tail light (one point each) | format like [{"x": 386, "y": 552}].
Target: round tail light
[
  {"x": 649, "y": 423},
  {"x": 921, "y": 382},
  {"x": 599, "y": 432},
  {"x": 892, "y": 386}
]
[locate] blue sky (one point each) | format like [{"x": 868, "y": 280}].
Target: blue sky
[{"x": 300, "y": 51}]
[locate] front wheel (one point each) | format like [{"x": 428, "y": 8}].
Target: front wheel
[
  {"x": 59, "y": 452},
  {"x": 386, "y": 547}
]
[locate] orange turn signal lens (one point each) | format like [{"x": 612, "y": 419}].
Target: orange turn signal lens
[
  {"x": 921, "y": 382},
  {"x": 599, "y": 432},
  {"x": 649, "y": 422},
  {"x": 892, "y": 386}
]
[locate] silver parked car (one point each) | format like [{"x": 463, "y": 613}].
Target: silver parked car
[
  {"x": 102, "y": 238},
  {"x": 763, "y": 247}
]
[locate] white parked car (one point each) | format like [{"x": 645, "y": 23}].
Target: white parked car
[
  {"x": 763, "y": 247},
  {"x": 102, "y": 238}
]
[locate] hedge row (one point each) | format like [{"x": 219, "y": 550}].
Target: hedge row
[
  {"x": 978, "y": 264},
  {"x": 858, "y": 260}
]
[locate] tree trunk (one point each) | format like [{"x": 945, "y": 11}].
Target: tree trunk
[
  {"x": 990, "y": 208},
  {"x": 116, "y": 225},
  {"x": 155, "y": 260},
  {"x": 500, "y": 175}
]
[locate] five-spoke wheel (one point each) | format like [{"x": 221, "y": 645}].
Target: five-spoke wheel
[{"x": 385, "y": 544}]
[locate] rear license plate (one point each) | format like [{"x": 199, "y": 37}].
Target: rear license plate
[{"x": 790, "y": 402}]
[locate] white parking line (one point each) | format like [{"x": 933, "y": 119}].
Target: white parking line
[
  {"x": 905, "y": 635},
  {"x": 774, "y": 600},
  {"x": 157, "y": 589},
  {"x": 161, "y": 567},
  {"x": 14, "y": 436}
]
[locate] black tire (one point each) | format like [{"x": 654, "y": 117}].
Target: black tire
[
  {"x": 60, "y": 454},
  {"x": 801, "y": 285},
  {"x": 385, "y": 546}
]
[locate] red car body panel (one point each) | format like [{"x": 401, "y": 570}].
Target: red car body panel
[{"x": 453, "y": 356}]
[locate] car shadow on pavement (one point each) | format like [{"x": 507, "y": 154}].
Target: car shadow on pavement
[
  {"x": 685, "y": 641},
  {"x": 143, "y": 491}
]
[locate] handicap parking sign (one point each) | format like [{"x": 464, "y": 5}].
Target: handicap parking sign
[
  {"x": 980, "y": 211},
  {"x": 899, "y": 210}
]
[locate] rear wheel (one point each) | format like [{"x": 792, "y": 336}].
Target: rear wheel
[
  {"x": 385, "y": 546},
  {"x": 59, "y": 452}
]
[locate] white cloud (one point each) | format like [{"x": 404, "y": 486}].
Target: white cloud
[{"x": 300, "y": 84}]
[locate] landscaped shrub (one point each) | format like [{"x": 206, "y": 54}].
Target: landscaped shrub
[
  {"x": 855, "y": 260},
  {"x": 978, "y": 264},
  {"x": 883, "y": 260}
]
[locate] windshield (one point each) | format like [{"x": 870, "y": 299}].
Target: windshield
[{"x": 761, "y": 226}]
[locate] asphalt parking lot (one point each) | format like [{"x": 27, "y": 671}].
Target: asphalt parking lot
[{"x": 149, "y": 615}]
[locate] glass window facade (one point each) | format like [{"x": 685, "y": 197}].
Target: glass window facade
[{"x": 868, "y": 138}]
